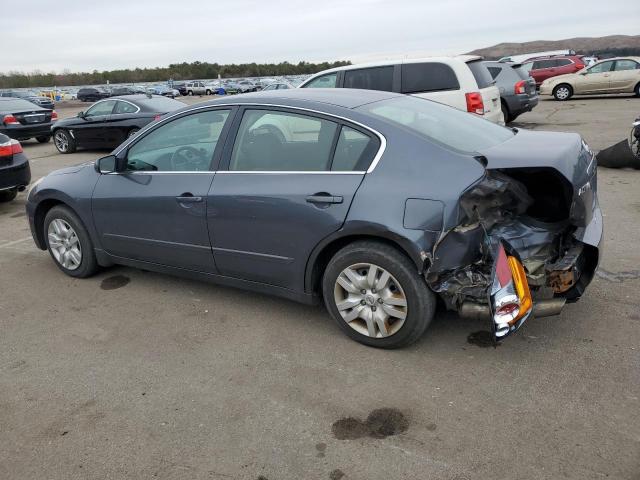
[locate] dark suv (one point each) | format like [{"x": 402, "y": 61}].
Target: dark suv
[
  {"x": 517, "y": 89},
  {"x": 92, "y": 94},
  {"x": 546, "y": 67}
]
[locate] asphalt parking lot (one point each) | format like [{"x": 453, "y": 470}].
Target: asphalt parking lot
[{"x": 132, "y": 374}]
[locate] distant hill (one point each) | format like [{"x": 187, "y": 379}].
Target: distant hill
[{"x": 601, "y": 46}]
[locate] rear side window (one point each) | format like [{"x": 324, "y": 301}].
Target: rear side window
[
  {"x": 378, "y": 78},
  {"x": 626, "y": 65},
  {"x": 281, "y": 141},
  {"x": 354, "y": 151},
  {"x": 494, "y": 71},
  {"x": 481, "y": 74},
  {"x": 124, "y": 107},
  {"x": 325, "y": 81},
  {"x": 428, "y": 77},
  {"x": 561, "y": 62}
]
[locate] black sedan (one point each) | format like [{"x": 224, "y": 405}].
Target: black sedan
[
  {"x": 107, "y": 123},
  {"x": 22, "y": 120},
  {"x": 377, "y": 203},
  {"x": 43, "y": 102},
  {"x": 15, "y": 174}
]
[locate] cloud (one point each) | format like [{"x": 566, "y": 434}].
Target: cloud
[{"x": 85, "y": 36}]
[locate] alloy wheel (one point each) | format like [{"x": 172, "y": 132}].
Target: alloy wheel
[
  {"x": 370, "y": 300},
  {"x": 64, "y": 244},
  {"x": 61, "y": 141}
]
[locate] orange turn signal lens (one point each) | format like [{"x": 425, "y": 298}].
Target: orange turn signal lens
[{"x": 522, "y": 288}]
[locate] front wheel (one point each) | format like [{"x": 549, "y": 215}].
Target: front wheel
[
  {"x": 64, "y": 142},
  {"x": 376, "y": 296},
  {"x": 69, "y": 243},
  {"x": 563, "y": 92},
  {"x": 43, "y": 139},
  {"x": 637, "y": 90}
]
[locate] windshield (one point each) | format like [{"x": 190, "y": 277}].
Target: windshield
[{"x": 447, "y": 126}]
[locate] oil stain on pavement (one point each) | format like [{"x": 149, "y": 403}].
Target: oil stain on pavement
[
  {"x": 380, "y": 423},
  {"x": 116, "y": 281},
  {"x": 482, "y": 339}
]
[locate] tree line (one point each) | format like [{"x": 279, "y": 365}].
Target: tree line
[{"x": 176, "y": 71}]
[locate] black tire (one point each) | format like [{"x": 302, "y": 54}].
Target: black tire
[
  {"x": 421, "y": 301},
  {"x": 208, "y": 92},
  {"x": 559, "y": 92},
  {"x": 63, "y": 141},
  {"x": 88, "y": 264},
  {"x": 190, "y": 93},
  {"x": 8, "y": 195},
  {"x": 43, "y": 139},
  {"x": 637, "y": 90},
  {"x": 132, "y": 132},
  {"x": 505, "y": 112}
]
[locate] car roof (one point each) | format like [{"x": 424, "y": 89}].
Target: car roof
[
  {"x": 340, "y": 97},
  {"x": 384, "y": 63}
]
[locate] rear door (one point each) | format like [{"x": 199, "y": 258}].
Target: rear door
[
  {"x": 90, "y": 131},
  {"x": 595, "y": 79},
  {"x": 625, "y": 75},
  {"x": 289, "y": 179}
]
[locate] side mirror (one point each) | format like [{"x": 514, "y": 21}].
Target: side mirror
[
  {"x": 108, "y": 164},
  {"x": 80, "y": 114}
]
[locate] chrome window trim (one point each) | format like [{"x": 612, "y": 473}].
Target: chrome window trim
[{"x": 374, "y": 162}]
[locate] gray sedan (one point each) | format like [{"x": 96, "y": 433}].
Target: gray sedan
[{"x": 375, "y": 202}]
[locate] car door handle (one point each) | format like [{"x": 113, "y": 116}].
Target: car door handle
[
  {"x": 188, "y": 198},
  {"x": 324, "y": 198}
]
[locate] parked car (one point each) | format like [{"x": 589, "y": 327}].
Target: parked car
[
  {"x": 277, "y": 86},
  {"x": 163, "y": 91},
  {"x": 120, "y": 91},
  {"x": 180, "y": 87},
  {"x": 547, "y": 67},
  {"x": 22, "y": 120},
  {"x": 15, "y": 174},
  {"x": 614, "y": 75},
  {"x": 196, "y": 88},
  {"x": 462, "y": 82},
  {"x": 374, "y": 201},
  {"x": 91, "y": 94},
  {"x": 517, "y": 89},
  {"x": 231, "y": 88},
  {"x": 214, "y": 88},
  {"x": 246, "y": 86},
  {"x": 43, "y": 102},
  {"x": 107, "y": 123}
]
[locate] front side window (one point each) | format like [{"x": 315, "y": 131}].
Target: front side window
[
  {"x": 325, "y": 81},
  {"x": 622, "y": 65},
  {"x": 601, "y": 67},
  {"x": 378, "y": 78},
  {"x": 185, "y": 144},
  {"x": 282, "y": 141},
  {"x": 439, "y": 123},
  {"x": 428, "y": 77},
  {"x": 101, "y": 108},
  {"x": 124, "y": 108}
]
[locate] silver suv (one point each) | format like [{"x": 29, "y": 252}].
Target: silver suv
[{"x": 196, "y": 88}]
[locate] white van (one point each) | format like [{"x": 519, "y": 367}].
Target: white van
[{"x": 462, "y": 82}]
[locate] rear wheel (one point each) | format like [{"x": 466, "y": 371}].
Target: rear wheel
[
  {"x": 376, "y": 296},
  {"x": 190, "y": 93},
  {"x": 505, "y": 112},
  {"x": 562, "y": 92},
  {"x": 132, "y": 132},
  {"x": 637, "y": 90},
  {"x": 69, "y": 243},
  {"x": 208, "y": 92},
  {"x": 8, "y": 195},
  {"x": 43, "y": 139},
  {"x": 64, "y": 142}
]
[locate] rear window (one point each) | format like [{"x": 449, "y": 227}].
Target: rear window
[
  {"x": 160, "y": 104},
  {"x": 428, "y": 77},
  {"x": 522, "y": 71},
  {"x": 481, "y": 74},
  {"x": 378, "y": 78},
  {"x": 444, "y": 125},
  {"x": 17, "y": 105}
]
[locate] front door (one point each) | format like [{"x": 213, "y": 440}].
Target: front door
[
  {"x": 89, "y": 131},
  {"x": 595, "y": 79},
  {"x": 155, "y": 211},
  {"x": 289, "y": 182}
]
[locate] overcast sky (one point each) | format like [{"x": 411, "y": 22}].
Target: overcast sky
[{"x": 82, "y": 35}]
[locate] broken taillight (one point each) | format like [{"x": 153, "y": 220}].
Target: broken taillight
[{"x": 510, "y": 298}]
